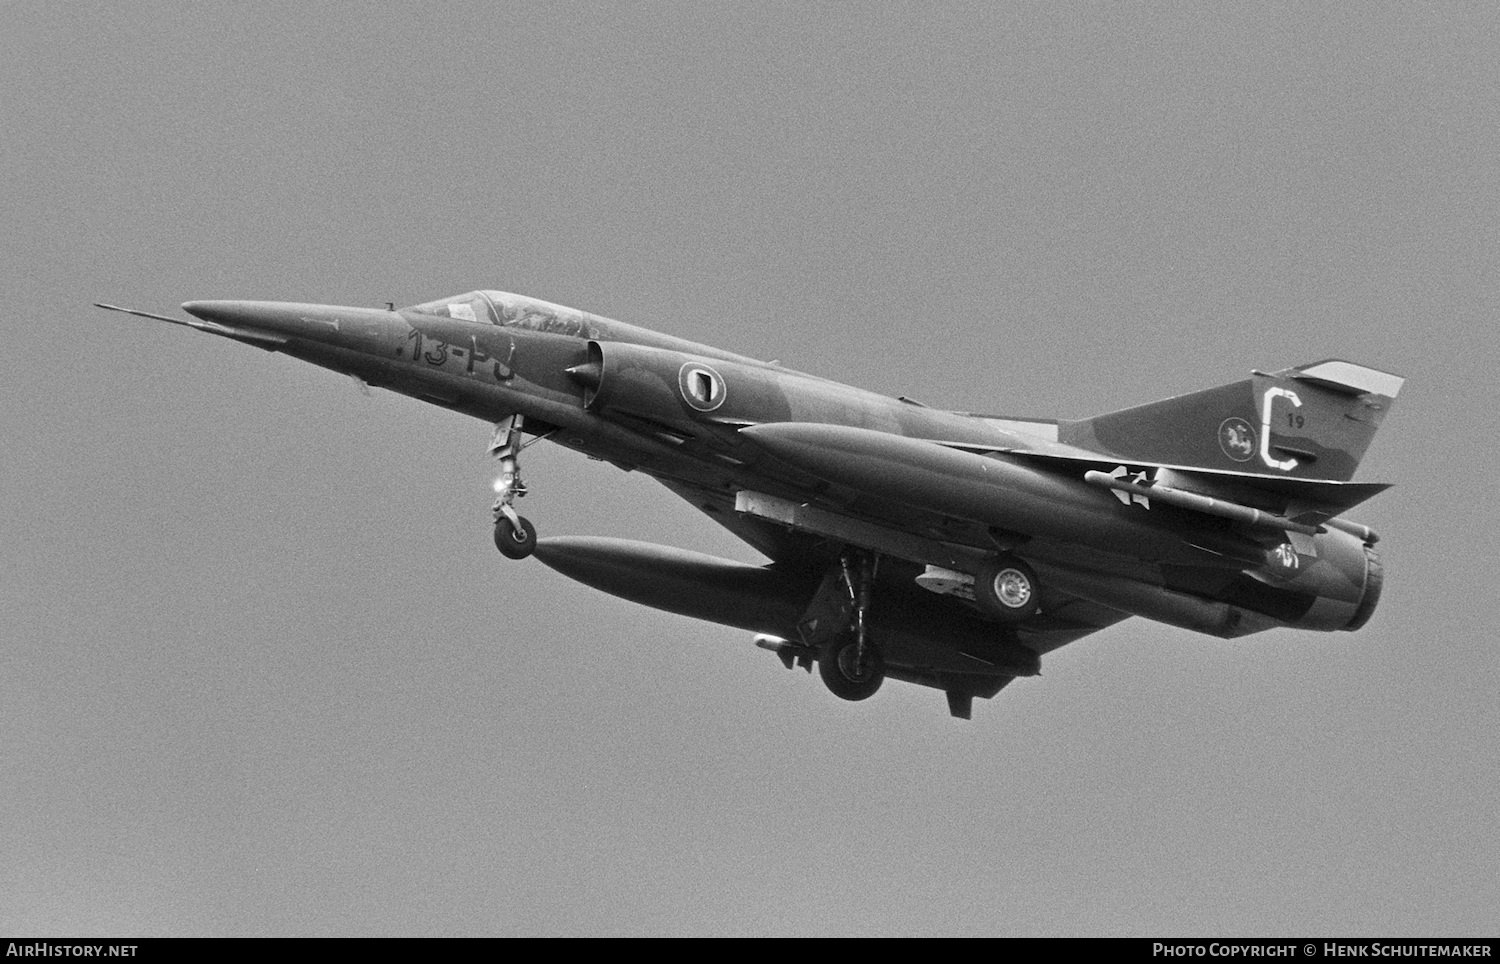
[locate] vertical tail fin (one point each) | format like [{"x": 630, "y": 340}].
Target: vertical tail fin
[{"x": 1311, "y": 422}]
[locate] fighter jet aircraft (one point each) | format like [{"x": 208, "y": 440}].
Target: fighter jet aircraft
[{"x": 947, "y": 549}]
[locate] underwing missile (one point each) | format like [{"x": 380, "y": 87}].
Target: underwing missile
[{"x": 1243, "y": 514}]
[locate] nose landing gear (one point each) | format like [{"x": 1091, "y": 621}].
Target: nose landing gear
[{"x": 515, "y": 537}]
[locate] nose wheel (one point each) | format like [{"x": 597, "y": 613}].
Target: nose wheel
[{"x": 515, "y": 537}]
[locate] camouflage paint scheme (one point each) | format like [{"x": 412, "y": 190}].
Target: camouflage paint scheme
[{"x": 886, "y": 521}]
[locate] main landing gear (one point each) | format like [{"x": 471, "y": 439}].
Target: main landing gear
[
  {"x": 1006, "y": 588},
  {"x": 850, "y": 663},
  {"x": 515, "y": 537}
]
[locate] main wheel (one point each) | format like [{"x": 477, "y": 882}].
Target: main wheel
[
  {"x": 1007, "y": 589},
  {"x": 514, "y": 543},
  {"x": 845, "y": 675}
]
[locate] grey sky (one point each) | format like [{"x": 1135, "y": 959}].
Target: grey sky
[{"x": 263, "y": 671}]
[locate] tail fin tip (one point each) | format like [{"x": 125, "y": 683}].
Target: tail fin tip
[{"x": 1348, "y": 378}]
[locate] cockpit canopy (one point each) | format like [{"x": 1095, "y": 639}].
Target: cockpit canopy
[
  {"x": 516, "y": 311},
  {"x": 475, "y": 306}
]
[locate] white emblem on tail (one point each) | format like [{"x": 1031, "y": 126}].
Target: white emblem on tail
[
  {"x": 1237, "y": 439},
  {"x": 1265, "y": 427}
]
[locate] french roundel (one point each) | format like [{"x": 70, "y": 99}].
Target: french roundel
[{"x": 702, "y": 387}]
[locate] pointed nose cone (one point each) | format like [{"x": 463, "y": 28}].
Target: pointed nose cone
[
  {"x": 281, "y": 318},
  {"x": 209, "y": 310},
  {"x": 235, "y": 314}
]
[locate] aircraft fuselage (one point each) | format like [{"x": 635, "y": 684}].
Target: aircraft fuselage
[{"x": 808, "y": 470}]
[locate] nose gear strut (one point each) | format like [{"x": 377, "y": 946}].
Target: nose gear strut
[{"x": 515, "y": 537}]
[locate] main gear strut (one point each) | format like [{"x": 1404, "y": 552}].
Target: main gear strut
[
  {"x": 850, "y": 663},
  {"x": 859, "y": 573}
]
